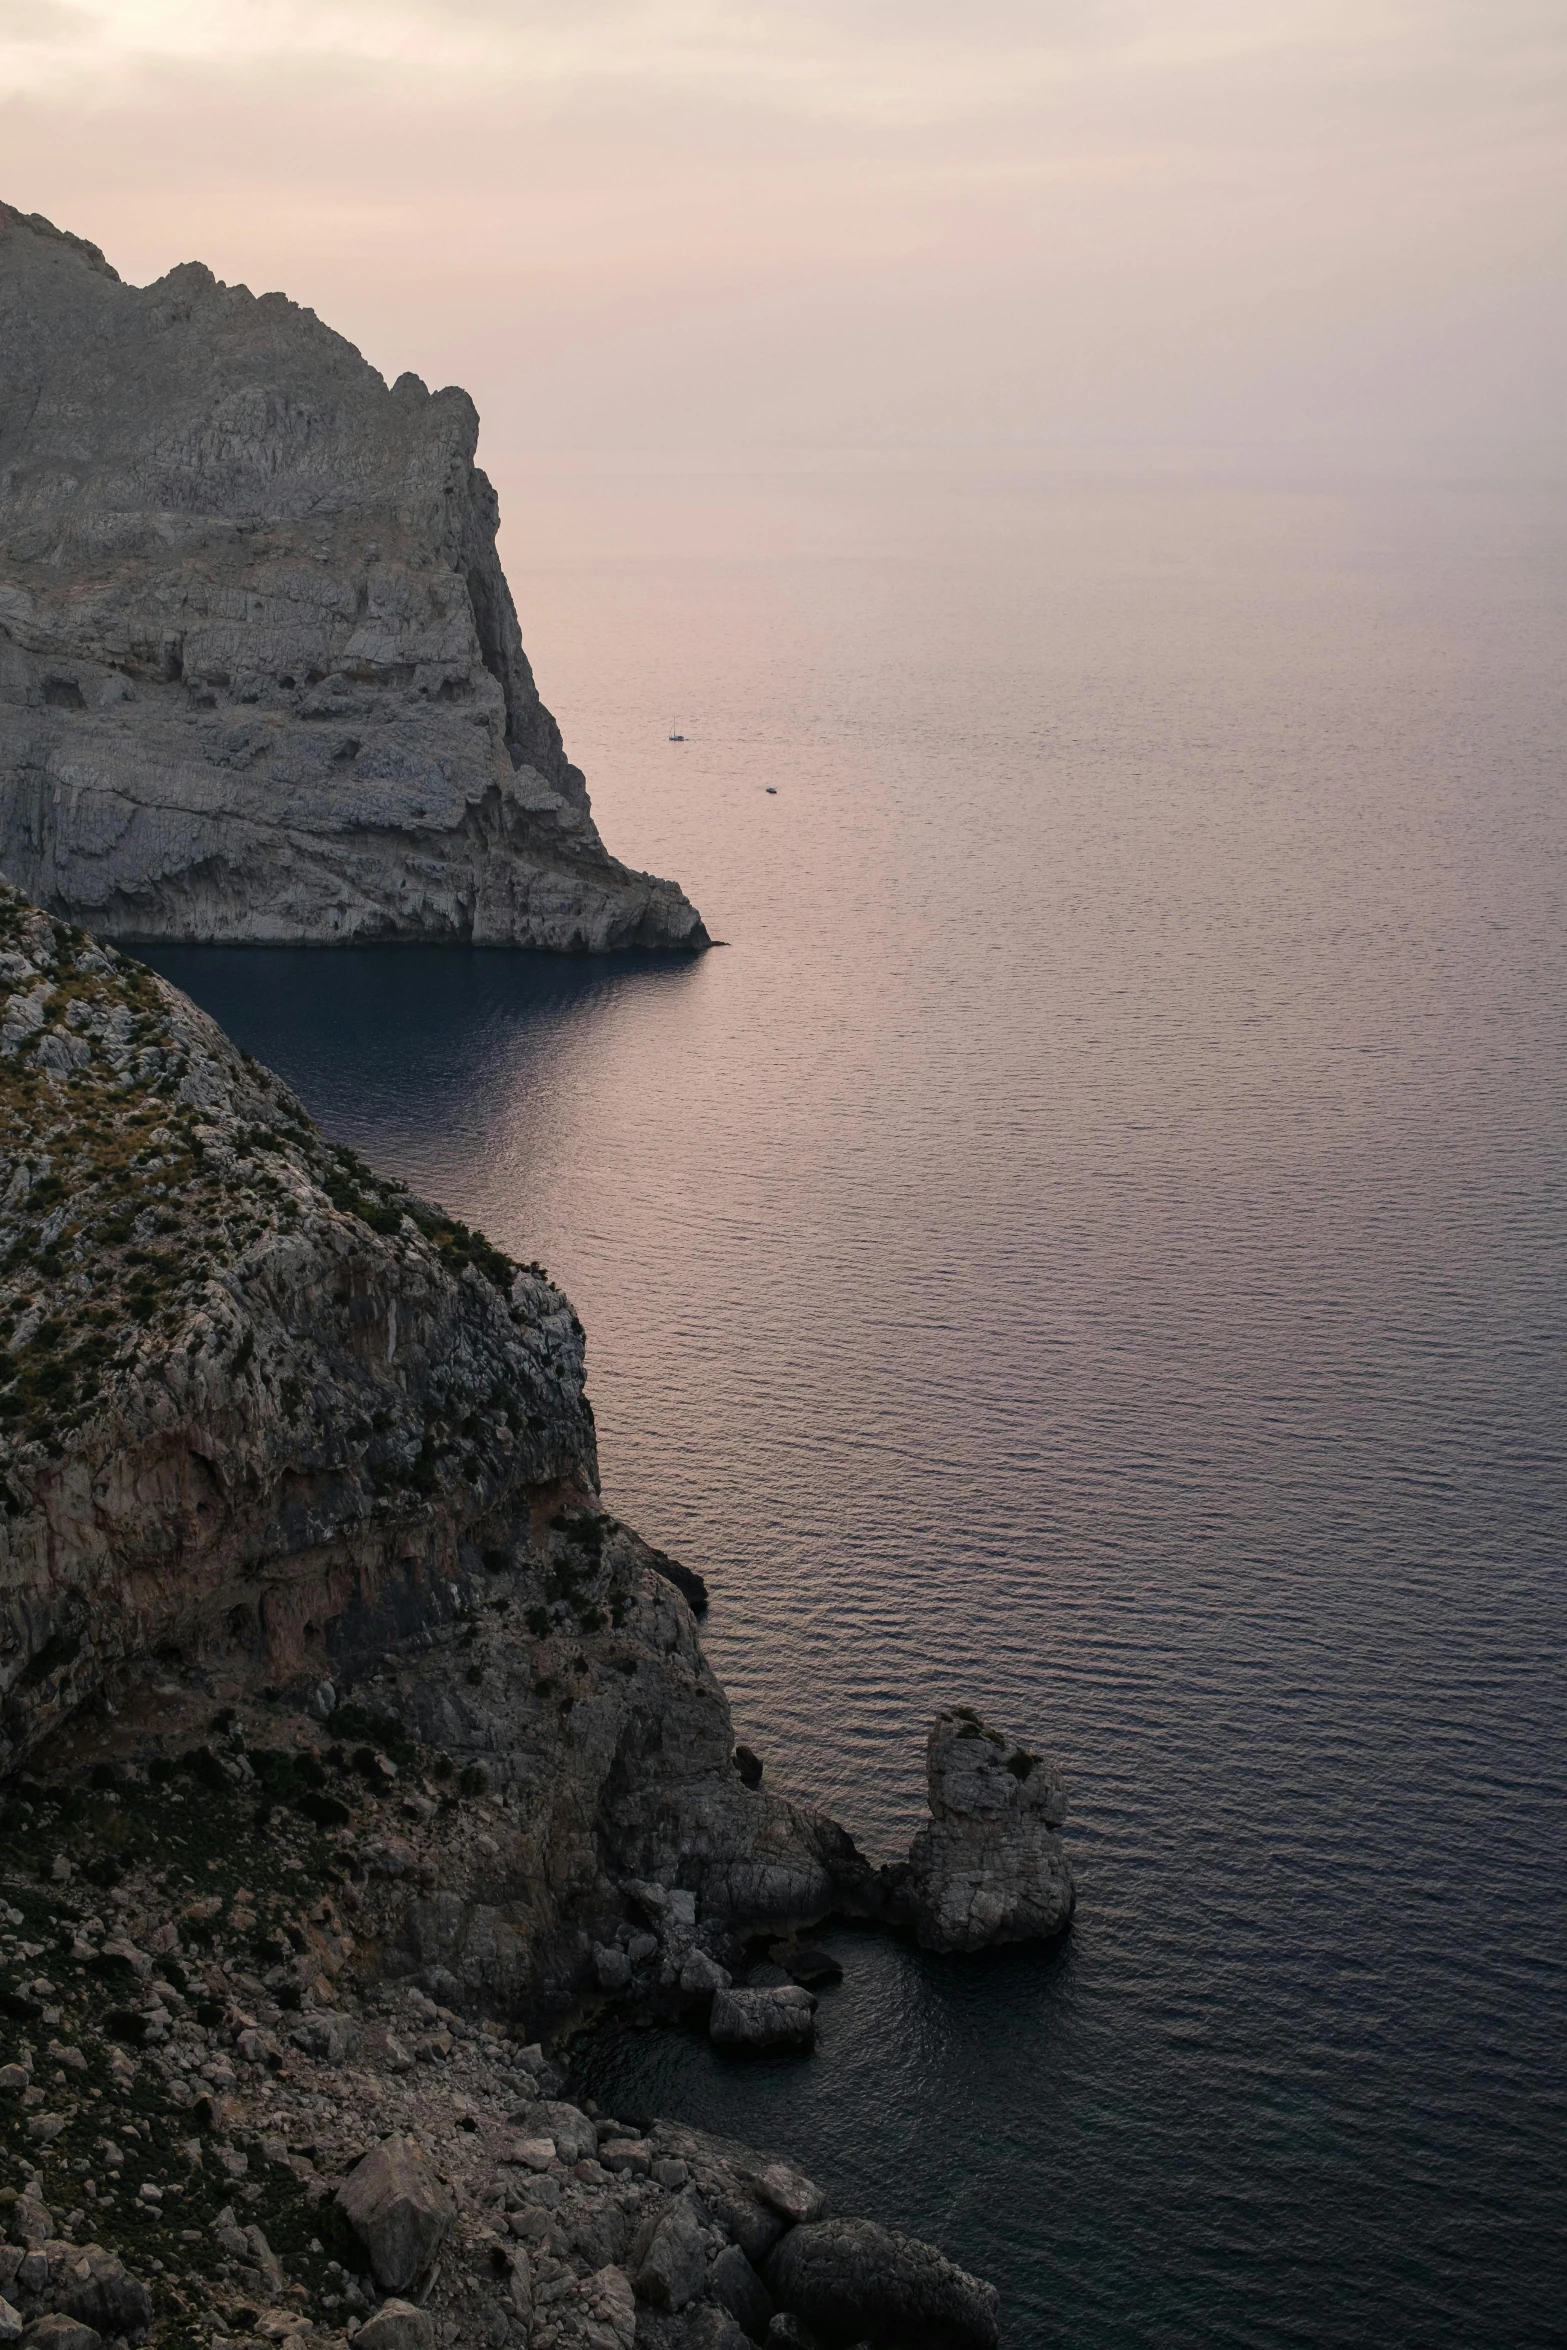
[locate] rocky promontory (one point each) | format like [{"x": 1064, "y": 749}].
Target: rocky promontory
[
  {"x": 353, "y": 1752},
  {"x": 271, "y": 1420},
  {"x": 260, "y": 671}
]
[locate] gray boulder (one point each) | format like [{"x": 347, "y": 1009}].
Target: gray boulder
[
  {"x": 576, "y": 2140},
  {"x": 399, "y": 2210},
  {"x": 734, "y": 2284},
  {"x": 10, "y": 2322},
  {"x": 397, "y": 2325},
  {"x": 790, "y": 2192},
  {"x": 611, "y": 1966},
  {"x": 60, "y": 2333},
  {"x": 673, "y": 2266},
  {"x": 99, "y": 2290},
  {"x": 852, "y": 2281},
  {"x": 701, "y": 1975},
  {"x": 724, "y": 2173},
  {"x": 328, "y": 2036},
  {"x": 779, "y": 2016},
  {"x": 260, "y": 670},
  {"x": 990, "y": 1867},
  {"x": 788, "y": 2332}
]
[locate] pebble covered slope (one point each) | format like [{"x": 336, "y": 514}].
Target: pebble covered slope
[{"x": 199, "y": 2051}]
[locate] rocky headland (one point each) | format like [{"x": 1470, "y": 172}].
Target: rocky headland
[
  {"x": 354, "y": 1753},
  {"x": 260, "y": 670}
]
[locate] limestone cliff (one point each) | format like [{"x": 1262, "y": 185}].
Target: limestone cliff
[
  {"x": 260, "y": 670},
  {"x": 267, "y": 1422}
]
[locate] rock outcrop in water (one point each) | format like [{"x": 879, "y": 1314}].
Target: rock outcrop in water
[
  {"x": 260, "y": 670},
  {"x": 990, "y": 1867},
  {"x": 367, "y": 1741}
]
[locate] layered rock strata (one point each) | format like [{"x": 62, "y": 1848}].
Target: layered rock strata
[{"x": 260, "y": 671}]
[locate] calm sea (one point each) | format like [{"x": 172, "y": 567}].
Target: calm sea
[{"x": 1093, "y": 1244}]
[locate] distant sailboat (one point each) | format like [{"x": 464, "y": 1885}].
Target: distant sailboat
[{"x": 676, "y": 738}]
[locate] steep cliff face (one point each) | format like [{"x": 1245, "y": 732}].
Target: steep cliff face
[
  {"x": 270, "y": 1422},
  {"x": 260, "y": 670}
]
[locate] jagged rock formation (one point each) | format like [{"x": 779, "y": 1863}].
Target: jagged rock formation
[
  {"x": 260, "y": 671},
  {"x": 369, "y": 1742},
  {"x": 271, "y": 1421},
  {"x": 990, "y": 1866}
]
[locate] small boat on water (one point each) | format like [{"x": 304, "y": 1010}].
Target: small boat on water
[{"x": 677, "y": 738}]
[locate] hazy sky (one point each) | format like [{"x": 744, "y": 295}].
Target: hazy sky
[{"x": 733, "y": 224}]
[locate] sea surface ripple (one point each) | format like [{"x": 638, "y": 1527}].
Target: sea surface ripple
[{"x": 1092, "y": 1244}]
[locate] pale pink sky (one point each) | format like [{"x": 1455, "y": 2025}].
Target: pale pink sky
[{"x": 676, "y": 226}]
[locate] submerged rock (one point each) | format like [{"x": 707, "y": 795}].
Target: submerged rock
[
  {"x": 852, "y": 2281},
  {"x": 990, "y": 1867},
  {"x": 260, "y": 670},
  {"x": 778, "y": 2015}
]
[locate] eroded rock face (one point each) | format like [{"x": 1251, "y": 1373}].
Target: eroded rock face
[
  {"x": 249, "y": 1391},
  {"x": 990, "y": 1867},
  {"x": 267, "y": 1418},
  {"x": 260, "y": 670}
]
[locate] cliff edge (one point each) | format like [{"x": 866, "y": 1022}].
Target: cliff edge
[
  {"x": 270, "y": 1424},
  {"x": 260, "y": 671}
]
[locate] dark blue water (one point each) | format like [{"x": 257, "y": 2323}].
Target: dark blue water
[{"x": 1091, "y": 1245}]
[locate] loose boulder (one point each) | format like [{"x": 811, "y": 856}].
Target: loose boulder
[
  {"x": 990, "y": 1867},
  {"x": 397, "y": 2325},
  {"x": 576, "y": 2140},
  {"x": 60, "y": 2333},
  {"x": 701, "y": 1975},
  {"x": 399, "y": 2210},
  {"x": 724, "y": 2174},
  {"x": 329, "y": 2037},
  {"x": 790, "y": 2192},
  {"x": 611, "y": 2309},
  {"x": 735, "y": 2286},
  {"x": 673, "y": 2267},
  {"x": 781, "y": 2015},
  {"x": 98, "y": 2290},
  {"x": 852, "y": 2281}
]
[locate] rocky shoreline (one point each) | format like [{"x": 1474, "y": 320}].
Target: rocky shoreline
[
  {"x": 225, "y": 2123},
  {"x": 353, "y": 1750}
]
